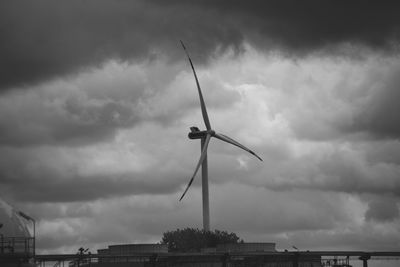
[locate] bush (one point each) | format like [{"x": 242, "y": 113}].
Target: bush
[{"x": 193, "y": 239}]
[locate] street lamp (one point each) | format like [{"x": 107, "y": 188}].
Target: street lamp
[{"x": 29, "y": 218}]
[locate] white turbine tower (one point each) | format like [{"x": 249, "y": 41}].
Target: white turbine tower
[{"x": 205, "y": 137}]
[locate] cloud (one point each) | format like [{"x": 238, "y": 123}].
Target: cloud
[
  {"x": 60, "y": 113},
  {"x": 303, "y": 26},
  {"x": 119, "y": 180},
  {"x": 46, "y": 40},
  {"x": 49, "y": 174},
  {"x": 97, "y": 224},
  {"x": 377, "y": 116},
  {"x": 91, "y": 107},
  {"x": 306, "y": 218},
  {"x": 383, "y": 209},
  {"x": 99, "y": 134},
  {"x": 116, "y": 124}
]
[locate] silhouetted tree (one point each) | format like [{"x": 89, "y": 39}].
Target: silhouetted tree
[{"x": 193, "y": 239}]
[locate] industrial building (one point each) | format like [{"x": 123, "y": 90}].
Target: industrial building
[
  {"x": 224, "y": 255},
  {"x": 246, "y": 247},
  {"x": 129, "y": 249}
]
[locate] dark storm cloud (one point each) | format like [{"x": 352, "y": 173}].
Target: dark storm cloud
[
  {"x": 304, "y": 25},
  {"x": 50, "y": 176},
  {"x": 337, "y": 171},
  {"x": 379, "y": 116},
  {"x": 46, "y": 39},
  {"x": 35, "y": 120},
  {"x": 382, "y": 209},
  {"x": 53, "y": 187}
]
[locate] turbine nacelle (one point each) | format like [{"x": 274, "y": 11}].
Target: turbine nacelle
[{"x": 195, "y": 133}]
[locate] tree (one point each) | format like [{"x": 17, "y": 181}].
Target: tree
[{"x": 193, "y": 239}]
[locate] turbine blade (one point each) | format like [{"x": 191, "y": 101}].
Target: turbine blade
[
  {"x": 235, "y": 143},
  {"x": 202, "y": 157},
  {"x": 202, "y": 104}
]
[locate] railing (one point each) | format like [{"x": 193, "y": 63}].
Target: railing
[
  {"x": 16, "y": 246},
  {"x": 292, "y": 259}
]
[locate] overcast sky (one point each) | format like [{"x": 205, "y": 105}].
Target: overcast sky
[{"x": 97, "y": 97}]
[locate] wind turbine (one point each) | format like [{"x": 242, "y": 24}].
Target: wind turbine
[{"x": 205, "y": 137}]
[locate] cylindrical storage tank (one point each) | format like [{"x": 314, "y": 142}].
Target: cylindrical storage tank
[
  {"x": 15, "y": 237},
  {"x": 12, "y": 224}
]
